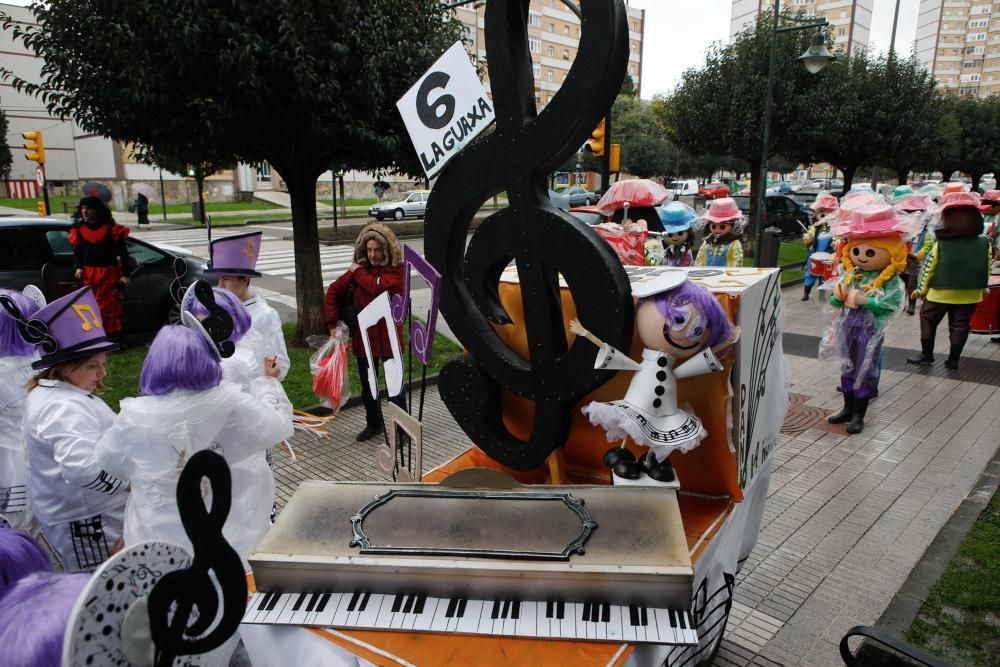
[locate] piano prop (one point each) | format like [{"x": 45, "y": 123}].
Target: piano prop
[{"x": 464, "y": 569}]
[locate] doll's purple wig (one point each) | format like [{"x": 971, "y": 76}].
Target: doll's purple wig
[
  {"x": 11, "y": 343},
  {"x": 718, "y": 325},
  {"x": 179, "y": 358},
  {"x": 232, "y": 305},
  {"x": 19, "y": 556},
  {"x": 34, "y": 616}
]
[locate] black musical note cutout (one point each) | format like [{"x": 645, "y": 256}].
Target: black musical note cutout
[
  {"x": 183, "y": 591},
  {"x": 217, "y": 324},
  {"x": 543, "y": 241},
  {"x": 33, "y": 331}
]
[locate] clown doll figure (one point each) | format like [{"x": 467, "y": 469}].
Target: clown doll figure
[
  {"x": 723, "y": 225},
  {"x": 819, "y": 238},
  {"x": 677, "y": 219},
  {"x": 684, "y": 331},
  {"x": 873, "y": 255}
]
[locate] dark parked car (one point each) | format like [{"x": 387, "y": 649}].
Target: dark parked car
[
  {"x": 589, "y": 214},
  {"x": 780, "y": 211},
  {"x": 37, "y": 251}
]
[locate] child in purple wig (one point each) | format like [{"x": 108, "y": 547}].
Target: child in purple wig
[
  {"x": 20, "y": 556},
  {"x": 16, "y": 356},
  {"x": 186, "y": 407},
  {"x": 34, "y": 616}
]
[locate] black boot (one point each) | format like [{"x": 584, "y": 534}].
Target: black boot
[
  {"x": 845, "y": 414},
  {"x": 926, "y": 356},
  {"x": 857, "y": 424},
  {"x": 805, "y": 296},
  {"x": 952, "y": 362}
]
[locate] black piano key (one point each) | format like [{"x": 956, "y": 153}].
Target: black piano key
[
  {"x": 633, "y": 615},
  {"x": 643, "y": 617},
  {"x": 351, "y": 606},
  {"x": 595, "y": 612},
  {"x": 680, "y": 620},
  {"x": 560, "y": 610},
  {"x": 274, "y": 600},
  {"x": 586, "y": 612},
  {"x": 460, "y": 612},
  {"x": 515, "y": 611},
  {"x": 364, "y": 601},
  {"x": 606, "y": 612},
  {"x": 418, "y": 608},
  {"x": 312, "y": 602},
  {"x": 397, "y": 602},
  {"x": 495, "y": 611},
  {"x": 548, "y": 609},
  {"x": 408, "y": 607},
  {"x": 298, "y": 601},
  {"x": 263, "y": 601},
  {"x": 450, "y": 611},
  {"x": 505, "y": 612},
  {"x": 322, "y": 602},
  {"x": 673, "y": 618}
]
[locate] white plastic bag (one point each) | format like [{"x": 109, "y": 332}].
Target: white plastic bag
[{"x": 331, "y": 382}]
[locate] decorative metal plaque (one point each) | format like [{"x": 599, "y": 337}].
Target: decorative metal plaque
[{"x": 546, "y": 526}]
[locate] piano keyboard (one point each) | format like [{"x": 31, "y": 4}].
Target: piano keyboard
[{"x": 597, "y": 621}]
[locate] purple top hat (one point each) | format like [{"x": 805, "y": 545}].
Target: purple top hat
[
  {"x": 68, "y": 328},
  {"x": 234, "y": 255}
]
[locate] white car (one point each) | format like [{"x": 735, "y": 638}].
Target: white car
[{"x": 413, "y": 204}]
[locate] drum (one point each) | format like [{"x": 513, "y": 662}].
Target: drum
[
  {"x": 986, "y": 318},
  {"x": 821, "y": 265}
]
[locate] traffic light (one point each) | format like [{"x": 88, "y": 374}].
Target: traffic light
[
  {"x": 596, "y": 142},
  {"x": 615, "y": 157},
  {"x": 35, "y": 146}
]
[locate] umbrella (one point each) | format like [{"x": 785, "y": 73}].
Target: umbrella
[
  {"x": 635, "y": 191},
  {"x": 147, "y": 190},
  {"x": 95, "y": 189}
]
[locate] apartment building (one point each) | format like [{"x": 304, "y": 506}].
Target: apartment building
[
  {"x": 850, "y": 20},
  {"x": 958, "y": 41},
  {"x": 553, "y": 38}
]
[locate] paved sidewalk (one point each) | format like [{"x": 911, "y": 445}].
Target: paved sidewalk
[{"x": 847, "y": 517}]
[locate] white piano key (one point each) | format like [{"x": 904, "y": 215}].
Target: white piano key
[
  {"x": 510, "y": 623},
  {"x": 250, "y": 615},
  {"x": 274, "y": 612},
  {"x": 424, "y": 620},
  {"x": 440, "y": 621},
  {"x": 542, "y": 622},
  {"x": 664, "y": 630},
  {"x": 640, "y": 630},
  {"x": 628, "y": 630},
  {"x": 340, "y": 616},
  {"x": 527, "y": 625},
  {"x": 325, "y": 618},
  {"x": 571, "y": 616},
  {"x": 299, "y": 615},
  {"x": 469, "y": 622},
  {"x": 690, "y": 633},
  {"x": 368, "y": 617},
  {"x": 615, "y": 624}
]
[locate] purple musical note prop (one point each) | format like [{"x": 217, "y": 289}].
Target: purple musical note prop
[{"x": 421, "y": 334}]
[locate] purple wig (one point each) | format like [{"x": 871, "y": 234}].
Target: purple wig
[
  {"x": 179, "y": 358},
  {"x": 232, "y": 305},
  {"x": 19, "y": 556},
  {"x": 718, "y": 325},
  {"x": 34, "y": 617},
  {"x": 11, "y": 343}
]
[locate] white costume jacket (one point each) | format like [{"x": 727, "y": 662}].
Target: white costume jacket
[
  {"x": 78, "y": 503},
  {"x": 15, "y": 373},
  {"x": 153, "y": 437},
  {"x": 649, "y": 413},
  {"x": 267, "y": 322}
]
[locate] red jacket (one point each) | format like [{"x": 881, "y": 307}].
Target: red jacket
[{"x": 370, "y": 283}]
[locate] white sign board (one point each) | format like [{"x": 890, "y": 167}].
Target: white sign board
[
  {"x": 40, "y": 176},
  {"x": 446, "y": 109}
]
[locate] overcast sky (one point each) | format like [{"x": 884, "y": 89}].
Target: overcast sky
[{"x": 679, "y": 31}]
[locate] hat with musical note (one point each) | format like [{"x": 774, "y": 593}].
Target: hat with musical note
[
  {"x": 216, "y": 327},
  {"x": 235, "y": 255},
  {"x": 68, "y": 328}
]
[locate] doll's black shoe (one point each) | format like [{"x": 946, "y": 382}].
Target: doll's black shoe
[
  {"x": 857, "y": 424},
  {"x": 627, "y": 469},
  {"x": 616, "y": 454},
  {"x": 844, "y": 415},
  {"x": 661, "y": 471}
]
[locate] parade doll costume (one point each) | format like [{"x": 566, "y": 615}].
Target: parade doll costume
[
  {"x": 185, "y": 407},
  {"x": 101, "y": 253},
  {"x": 869, "y": 292},
  {"x": 677, "y": 219},
  {"x": 954, "y": 276},
  {"x": 78, "y": 503},
  {"x": 16, "y": 357},
  {"x": 915, "y": 204},
  {"x": 237, "y": 256},
  {"x": 678, "y": 321},
  {"x": 723, "y": 225},
  {"x": 819, "y": 238}
]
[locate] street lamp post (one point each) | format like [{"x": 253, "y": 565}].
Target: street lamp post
[{"x": 815, "y": 58}]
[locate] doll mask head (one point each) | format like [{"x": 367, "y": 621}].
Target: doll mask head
[
  {"x": 869, "y": 257},
  {"x": 721, "y": 231},
  {"x": 962, "y": 222},
  {"x": 677, "y": 239},
  {"x": 681, "y": 321}
]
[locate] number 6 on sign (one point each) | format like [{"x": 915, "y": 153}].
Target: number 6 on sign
[{"x": 380, "y": 310}]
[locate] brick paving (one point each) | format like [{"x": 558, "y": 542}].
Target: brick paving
[{"x": 847, "y": 517}]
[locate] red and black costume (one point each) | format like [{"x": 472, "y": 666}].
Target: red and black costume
[{"x": 101, "y": 252}]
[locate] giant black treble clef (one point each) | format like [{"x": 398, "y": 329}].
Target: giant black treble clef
[{"x": 543, "y": 241}]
